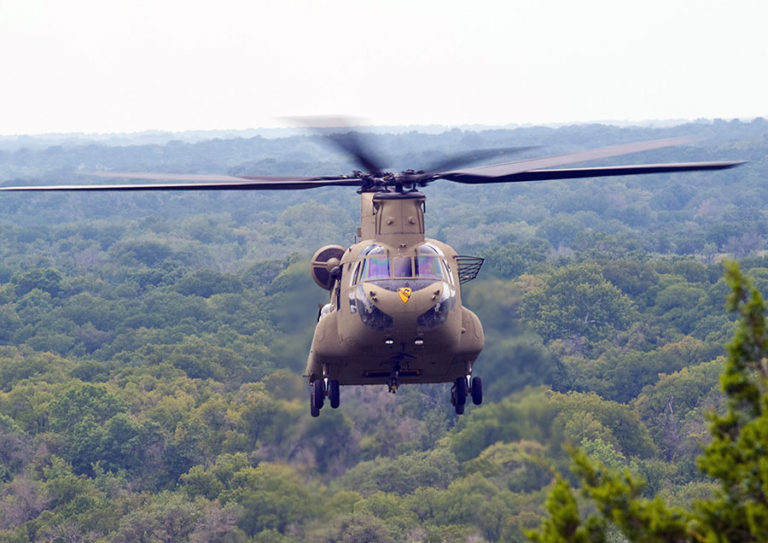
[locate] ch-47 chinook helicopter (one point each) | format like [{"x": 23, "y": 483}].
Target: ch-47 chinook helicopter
[{"x": 395, "y": 315}]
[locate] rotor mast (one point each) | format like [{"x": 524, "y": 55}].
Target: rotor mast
[{"x": 393, "y": 218}]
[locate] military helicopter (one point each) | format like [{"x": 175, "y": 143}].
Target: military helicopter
[{"x": 394, "y": 314}]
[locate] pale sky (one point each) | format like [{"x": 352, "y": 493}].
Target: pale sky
[{"x": 102, "y": 66}]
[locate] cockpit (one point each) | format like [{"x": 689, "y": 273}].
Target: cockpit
[
  {"x": 416, "y": 271},
  {"x": 423, "y": 268}
]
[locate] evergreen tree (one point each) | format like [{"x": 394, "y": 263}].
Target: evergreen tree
[{"x": 735, "y": 458}]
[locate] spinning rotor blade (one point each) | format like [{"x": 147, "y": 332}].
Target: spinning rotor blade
[
  {"x": 538, "y": 169},
  {"x": 199, "y": 182},
  {"x": 473, "y": 156},
  {"x": 350, "y": 142},
  {"x": 524, "y": 170},
  {"x": 578, "y": 173},
  {"x": 508, "y": 168}
]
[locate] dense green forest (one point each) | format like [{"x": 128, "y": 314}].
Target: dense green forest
[{"x": 151, "y": 345}]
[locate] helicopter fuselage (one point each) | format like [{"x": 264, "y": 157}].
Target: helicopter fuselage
[{"x": 395, "y": 304}]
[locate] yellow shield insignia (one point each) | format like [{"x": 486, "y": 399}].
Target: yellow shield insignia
[{"x": 405, "y": 294}]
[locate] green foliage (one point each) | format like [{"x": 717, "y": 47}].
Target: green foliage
[
  {"x": 83, "y": 402},
  {"x": 632, "y": 278},
  {"x": 553, "y": 419},
  {"x": 152, "y": 345},
  {"x": 736, "y": 455},
  {"x": 272, "y": 497},
  {"x": 46, "y": 280},
  {"x": 735, "y": 458},
  {"x": 206, "y": 283},
  {"x": 517, "y": 467},
  {"x": 525, "y": 357},
  {"x": 403, "y": 474},
  {"x": 564, "y": 524},
  {"x": 577, "y": 301},
  {"x": 674, "y": 409}
]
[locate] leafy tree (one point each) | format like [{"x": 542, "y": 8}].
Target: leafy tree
[
  {"x": 403, "y": 474},
  {"x": 83, "y": 401},
  {"x": 206, "y": 283},
  {"x": 620, "y": 376},
  {"x": 165, "y": 516},
  {"x": 272, "y": 496},
  {"x": 47, "y": 280},
  {"x": 633, "y": 278},
  {"x": 148, "y": 252},
  {"x": 511, "y": 260},
  {"x": 9, "y": 322},
  {"x": 673, "y": 410},
  {"x": 511, "y": 363},
  {"x": 515, "y": 466},
  {"x": 577, "y": 301}
]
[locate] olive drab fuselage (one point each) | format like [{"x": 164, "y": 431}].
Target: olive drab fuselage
[{"x": 395, "y": 302}]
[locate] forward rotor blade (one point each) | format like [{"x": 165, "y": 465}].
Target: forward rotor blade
[
  {"x": 473, "y": 156},
  {"x": 350, "y": 142},
  {"x": 200, "y": 182},
  {"x": 577, "y": 173},
  {"x": 510, "y": 168}
]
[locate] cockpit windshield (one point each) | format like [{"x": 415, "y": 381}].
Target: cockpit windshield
[
  {"x": 401, "y": 267},
  {"x": 422, "y": 269}
]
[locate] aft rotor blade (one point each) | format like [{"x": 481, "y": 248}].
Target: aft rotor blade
[
  {"x": 577, "y": 173},
  {"x": 473, "y": 156},
  {"x": 510, "y": 168},
  {"x": 199, "y": 182}
]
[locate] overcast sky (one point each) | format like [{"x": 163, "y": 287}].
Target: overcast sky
[{"x": 126, "y": 66}]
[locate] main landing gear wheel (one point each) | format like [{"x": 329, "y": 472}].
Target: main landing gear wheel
[
  {"x": 476, "y": 389},
  {"x": 333, "y": 393},
  {"x": 316, "y": 397},
  {"x": 459, "y": 395}
]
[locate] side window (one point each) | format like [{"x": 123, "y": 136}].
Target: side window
[{"x": 447, "y": 268}]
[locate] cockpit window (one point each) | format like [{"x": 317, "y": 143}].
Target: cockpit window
[
  {"x": 428, "y": 266},
  {"x": 401, "y": 266},
  {"x": 373, "y": 250},
  {"x": 429, "y": 249},
  {"x": 376, "y": 267}
]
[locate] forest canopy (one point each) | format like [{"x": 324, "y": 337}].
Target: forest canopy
[{"x": 152, "y": 345}]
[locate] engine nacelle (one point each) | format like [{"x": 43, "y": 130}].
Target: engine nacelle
[{"x": 324, "y": 261}]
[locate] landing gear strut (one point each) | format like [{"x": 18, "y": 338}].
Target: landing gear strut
[
  {"x": 459, "y": 394},
  {"x": 394, "y": 379}
]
